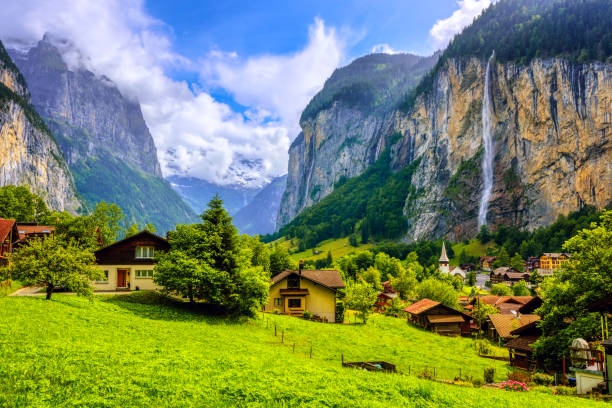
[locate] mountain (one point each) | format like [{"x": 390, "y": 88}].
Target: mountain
[
  {"x": 197, "y": 193},
  {"x": 343, "y": 124},
  {"x": 103, "y": 136},
  {"x": 29, "y": 154},
  {"x": 258, "y": 217},
  {"x": 418, "y": 174}
]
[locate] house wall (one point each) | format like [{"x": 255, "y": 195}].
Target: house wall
[
  {"x": 141, "y": 283},
  {"x": 320, "y": 300},
  {"x": 586, "y": 381}
]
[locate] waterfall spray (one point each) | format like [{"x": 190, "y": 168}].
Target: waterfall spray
[{"x": 487, "y": 158}]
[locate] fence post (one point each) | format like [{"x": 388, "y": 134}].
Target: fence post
[
  {"x": 342, "y": 357},
  {"x": 408, "y": 370},
  {"x": 434, "y": 373},
  {"x": 310, "y": 350},
  {"x": 274, "y": 329},
  {"x": 294, "y": 347},
  {"x": 283, "y": 336},
  {"x": 267, "y": 323}
]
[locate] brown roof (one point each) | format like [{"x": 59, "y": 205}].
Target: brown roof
[
  {"x": 497, "y": 300},
  {"x": 5, "y": 228},
  {"x": 328, "y": 278},
  {"x": 557, "y": 254},
  {"x": 522, "y": 343},
  {"x": 504, "y": 324},
  {"x": 421, "y": 306},
  {"x": 504, "y": 269},
  {"x": 25, "y": 230},
  {"x": 529, "y": 327},
  {"x": 445, "y": 319}
]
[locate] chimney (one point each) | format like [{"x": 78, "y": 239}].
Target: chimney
[{"x": 301, "y": 267}]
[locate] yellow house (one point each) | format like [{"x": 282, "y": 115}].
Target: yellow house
[
  {"x": 128, "y": 264},
  {"x": 552, "y": 261},
  {"x": 294, "y": 292}
]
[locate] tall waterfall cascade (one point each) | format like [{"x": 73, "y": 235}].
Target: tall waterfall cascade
[{"x": 489, "y": 155}]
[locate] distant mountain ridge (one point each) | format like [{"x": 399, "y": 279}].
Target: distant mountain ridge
[
  {"x": 258, "y": 217},
  {"x": 103, "y": 136}
]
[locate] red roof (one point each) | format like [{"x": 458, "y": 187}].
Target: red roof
[
  {"x": 421, "y": 306},
  {"x": 25, "y": 230},
  {"x": 5, "y": 228}
]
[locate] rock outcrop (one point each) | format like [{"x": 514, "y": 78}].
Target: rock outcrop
[
  {"x": 28, "y": 153},
  {"x": 258, "y": 217}
]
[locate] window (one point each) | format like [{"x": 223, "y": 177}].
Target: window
[
  {"x": 144, "y": 273},
  {"x": 144, "y": 252},
  {"x": 295, "y": 303},
  {"x": 104, "y": 279},
  {"x": 293, "y": 282},
  {"x": 277, "y": 301}
]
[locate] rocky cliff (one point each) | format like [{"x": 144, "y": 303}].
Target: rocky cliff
[
  {"x": 258, "y": 217},
  {"x": 103, "y": 136},
  {"x": 28, "y": 153}
]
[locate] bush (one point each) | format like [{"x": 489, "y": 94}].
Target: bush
[
  {"x": 276, "y": 311},
  {"x": 483, "y": 347},
  {"x": 489, "y": 375},
  {"x": 477, "y": 382},
  {"x": 563, "y": 390},
  {"x": 520, "y": 376},
  {"x": 307, "y": 315},
  {"x": 340, "y": 312},
  {"x": 543, "y": 379},
  {"x": 426, "y": 374}
]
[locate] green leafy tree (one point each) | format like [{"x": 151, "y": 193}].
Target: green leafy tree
[
  {"x": 483, "y": 235},
  {"x": 279, "y": 260},
  {"x": 108, "y": 218},
  {"x": 503, "y": 259},
  {"x": 372, "y": 277},
  {"x": 585, "y": 279},
  {"x": 439, "y": 291},
  {"x": 330, "y": 259},
  {"x": 259, "y": 252},
  {"x": 517, "y": 263},
  {"x": 501, "y": 289},
  {"x": 481, "y": 311},
  {"x": 17, "y": 202},
  {"x": 135, "y": 229},
  {"x": 520, "y": 289},
  {"x": 471, "y": 278},
  {"x": 177, "y": 272},
  {"x": 53, "y": 264},
  {"x": 360, "y": 296}
]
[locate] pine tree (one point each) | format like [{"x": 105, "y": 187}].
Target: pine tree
[{"x": 223, "y": 236}]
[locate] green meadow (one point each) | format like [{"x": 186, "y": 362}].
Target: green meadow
[{"x": 145, "y": 351}]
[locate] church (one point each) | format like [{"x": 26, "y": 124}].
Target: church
[{"x": 449, "y": 270}]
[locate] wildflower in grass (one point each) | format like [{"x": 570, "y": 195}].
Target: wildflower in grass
[{"x": 512, "y": 385}]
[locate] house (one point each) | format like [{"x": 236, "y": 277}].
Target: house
[
  {"x": 508, "y": 275},
  {"x": 29, "y": 231},
  {"x": 457, "y": 271},
  {"x": 8, "y": 235},
  {"x": 468, "y": 267},
  {"x": 505, "y": 304},
  {"x": 128, "y": 264},
  {"x": 550, "y": 261},
  {"x": 521, "y": 346},
  {"x": 294, "y": 292},
  {"x": 486, "y": 262},
  {"x": 438, "y": 318},
  {"x": 385, "y": 297},
  {"x": 532, "y": 263},
  {"x": 531, "y": 305},
  {"x": 499, "y": 326}
]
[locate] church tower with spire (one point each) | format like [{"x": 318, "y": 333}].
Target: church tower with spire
[{"x": 444, "y": 260}]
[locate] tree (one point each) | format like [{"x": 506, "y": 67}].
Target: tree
[
  {"x": 372, "y": 277},
  {"x": 17, "y": 202},
  {"x": 501, "y": 289},
  {"x": 481, "y": 310},
  {"x": 353, "y": 240},
  {"x": 279, "y": 260},
  {"x": 108, "y": 218},
  {"x": 520, "y": 289},
  {"x": 177, "y": 272},
  {"x": 135, "y": 229},
  {"x": 517, "y": 263},
  {"x": 585, "y": 279},
  {"x": 330, "y": 259},
  {"x": 54, "y": 264},
  {"x": 360, "y": 296},
  {"x": 503, "y": 259},
  {"x": 439, "y": 291},
  {"x": 483, "y": 235},
  {"x": 471, "y": 278}
]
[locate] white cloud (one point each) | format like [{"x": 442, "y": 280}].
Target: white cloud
[
  {"x": 194, "y": 134},
  {"x": 385, "y": 49},
  {"x": 444, "y": 30}
]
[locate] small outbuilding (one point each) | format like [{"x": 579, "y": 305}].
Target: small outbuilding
[
  {"x": 521, "y": 346},
  {"x": 499, "y": 326},
  {"x": 439, "y": 318}
]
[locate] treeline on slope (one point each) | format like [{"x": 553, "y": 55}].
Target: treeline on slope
[
  {"x": 521, "y": 30},
  {"x": 370, "y": 204},
  {"x": 106, "y": 176},
  {"x": 372, "y": 83},
  {"x": 8, "y": 63}
]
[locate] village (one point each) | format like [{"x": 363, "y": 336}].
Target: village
[{"x": 490, "y": 314}]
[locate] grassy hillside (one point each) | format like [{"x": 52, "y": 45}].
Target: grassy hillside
[
  {"x": 338, "y": 247},
  {"x": 116, "y": 352}
]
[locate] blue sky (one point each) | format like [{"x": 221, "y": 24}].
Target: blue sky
[{"x": 222, "y": 84}]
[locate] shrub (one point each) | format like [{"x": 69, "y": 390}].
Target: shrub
[
  {"x": 511, "y": 385},
  {"x": 307, "y": 315},
  {"x": 340, "y": 312},
  {"x": 483, "y": 347},
  {"x": 489, "y": 375},
  {"x": 477, "y": 382},
  {"x": 563, "y": 390},
  {"x": 463, "y": 383},
  {"x": 543, "y": 379},
  {"x": 276, "y": 311},
  {"x": 520, "y": 376},
  {"x": 426, "y": 374}
]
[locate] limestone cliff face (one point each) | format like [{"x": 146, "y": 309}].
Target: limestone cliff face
[
  {"x": 86, "y": 112},
  {"x": 551, "y": 142},
  {"x": 28, "y": 153},
  {"x": 552, "y": 147}
]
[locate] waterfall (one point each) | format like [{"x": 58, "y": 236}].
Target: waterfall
[{"x": 487, "y": 158}]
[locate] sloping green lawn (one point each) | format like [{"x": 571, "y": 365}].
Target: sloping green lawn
[{"x": 119, "y": 352}]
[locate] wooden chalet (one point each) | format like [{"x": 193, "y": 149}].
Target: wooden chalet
[
  {"x": 499, "y": 326},
  {"x": 531, "y": 306},
  {"x": 439, "y": 318},
  {"x": 128, "y": 264},
  {"x": 8, "y": 235},
  {"x": 508, "y": 275},
  {"x": 532, "y": 263},
  {"x": 505, "y": 304},
  {"x": 29, "y": 231},
  {"x": 385, "y": 297},
  {"x": 521, "y": 346},
  {"x": 486, "y": 262}
]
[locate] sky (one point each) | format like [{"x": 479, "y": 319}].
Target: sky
[{"x": 222, "y": 83}]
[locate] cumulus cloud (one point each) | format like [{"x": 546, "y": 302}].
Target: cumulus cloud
[
  {"x": 195, "y": 135},
  {"x": 385, "y": 49},
  {"x": 444, "y": 30}
]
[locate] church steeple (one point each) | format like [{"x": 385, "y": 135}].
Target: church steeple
[{"x": 444, "y": 260}]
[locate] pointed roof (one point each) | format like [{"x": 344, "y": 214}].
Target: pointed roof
[
  {"x": 443, "y": 257},
  {"x": 329, "y": 278},
  {"x": 5, "y": 228}
]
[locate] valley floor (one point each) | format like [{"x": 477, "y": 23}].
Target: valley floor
[{"x": 142, "y": 350}]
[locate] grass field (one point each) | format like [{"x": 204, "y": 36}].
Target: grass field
[
  {"x": 472, "y": 248},
  {"x": 121, "y": 352},
  {"x": 6, "y": 290},
  {"x": 338, "y": 247}
]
